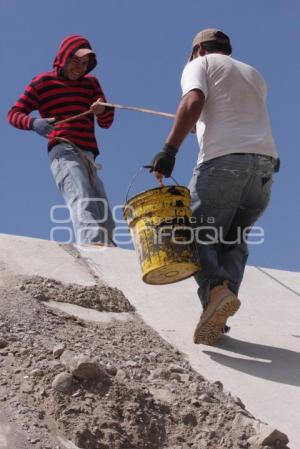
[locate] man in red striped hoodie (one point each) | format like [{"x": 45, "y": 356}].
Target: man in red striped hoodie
[{"x": 65, "y": 91}]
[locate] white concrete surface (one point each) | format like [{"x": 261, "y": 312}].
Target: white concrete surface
[
  {"x": 289, "y": 278},
  {"x": 29, "y": 257},
  {"x": 260, "y": 362},
  {"x": 88, "y": 314}
]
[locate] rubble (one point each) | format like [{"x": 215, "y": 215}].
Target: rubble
[{"x": 109, "y": 385}]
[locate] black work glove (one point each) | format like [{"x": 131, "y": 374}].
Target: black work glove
[{"x": 164, "y": 161}]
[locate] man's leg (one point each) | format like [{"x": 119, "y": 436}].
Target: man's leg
[
  {"x": 233, "y": 259},
  {"x": 72, "y": 178},
  {"x": 227, "y": 191},
  {"x": 104, "y": 208},
  {"x": 216, "y": 188},
  {"x": 255, "y": 199}
]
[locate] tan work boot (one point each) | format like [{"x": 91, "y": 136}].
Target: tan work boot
[{"x": 221, "y": 305}]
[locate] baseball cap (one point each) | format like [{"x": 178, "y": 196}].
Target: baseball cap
[
  {"x": 83, "y": 51},
  {"x": 209, "y": 35}
]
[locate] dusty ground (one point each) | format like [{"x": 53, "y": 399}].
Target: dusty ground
[{"x": 141, "y": 394}]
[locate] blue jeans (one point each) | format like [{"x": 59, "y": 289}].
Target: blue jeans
[
  {"x": 83, "y": 191},
  {"x": 228, "y": 195}
]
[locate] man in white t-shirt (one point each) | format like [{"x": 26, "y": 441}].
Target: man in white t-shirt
[{"x": 230, "y": 186}]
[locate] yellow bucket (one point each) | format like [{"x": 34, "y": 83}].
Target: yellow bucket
[{"x": 159, "y": 221}]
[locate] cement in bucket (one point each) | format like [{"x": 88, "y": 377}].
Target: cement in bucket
[{"x": 159, "y": 223}]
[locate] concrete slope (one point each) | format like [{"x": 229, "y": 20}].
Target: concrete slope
[
  {"x": 27, "y": 256},
  {"x": 259, "y": 362}
]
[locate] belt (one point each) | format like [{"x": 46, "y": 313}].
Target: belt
[
  {"x": 85, "y": 159},
  {"x": 275, "y": 161}
]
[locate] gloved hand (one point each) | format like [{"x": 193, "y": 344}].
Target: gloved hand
[
  {"x": 164, "y": 161},
  {"x": 43, "y": 126}
]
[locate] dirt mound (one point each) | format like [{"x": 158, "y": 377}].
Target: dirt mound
[
  {"x": 114, "y": 385},
  {"x": 98, "y": 297}
]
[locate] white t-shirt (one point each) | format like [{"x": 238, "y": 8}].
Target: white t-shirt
[{"x": 234, "y": 118}]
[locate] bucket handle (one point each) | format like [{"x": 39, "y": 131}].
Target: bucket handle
[{"x": 137, "y": 174}]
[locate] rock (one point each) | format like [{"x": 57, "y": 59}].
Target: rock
[
  {"x": 240, "y": 421},
  {"x": 161, "y": 395},
  {"x": 111, "y": 370},
  {"x": 41, "y": 414},
  {"x": 3, "y": 343},
  {"x": 219, "y": 385},
  {"x": 121, "y": 375},
  {"x": 137, "y": 376},
  {"x": 81, "y": 366},
  {"x": 58, "y": 350},
  {"x": 27, "y": 363},
  {"x": 131, "y": 364},
  {"x": 238, "y": 401},
  {"x": 189, "y": 419},
  {"x": 176, "y": 369},
  {"x": 43, "y": 392},
  {"x": 268, "y": 436},
  {"x": 86, "y": 368},
  {"x": 36, "y": 373},
  {"x": 171, "y": 387},
  {"x": 152, "y": 356},
  {"x": 175, "y": 376},
  {"x": 66, "y": 359},
  {"x": 63, "y": 382},
  {"x": 77, "y": 394},
  {"x": 195, "y": 388},
  {"x": 24, "y": 351},
  {"x": 159, "y": 373},
  {"x": 206, "y": 397},
  {"x": 185, "y": 378}
]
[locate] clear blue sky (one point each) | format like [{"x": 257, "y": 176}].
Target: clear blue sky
[{"x": 142, "y": 47}]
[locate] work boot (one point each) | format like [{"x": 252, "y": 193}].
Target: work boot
[{"x": 222, "y": 304}]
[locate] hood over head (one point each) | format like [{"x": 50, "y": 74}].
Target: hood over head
[{"x": 68, "y": 47}]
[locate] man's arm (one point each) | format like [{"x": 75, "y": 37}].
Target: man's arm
[
  {"x": 104, "y": 114},
  {"x": 18, "y": 116},
  {"x": 187, "y": 114}
]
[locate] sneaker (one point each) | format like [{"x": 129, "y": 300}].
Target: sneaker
[{"x": 221, "y": 305}]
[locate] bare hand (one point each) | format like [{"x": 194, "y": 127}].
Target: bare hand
[{"x": 97, "y": 108}]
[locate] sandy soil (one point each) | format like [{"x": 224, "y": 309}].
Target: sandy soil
[{"x": 67, "y": 383}]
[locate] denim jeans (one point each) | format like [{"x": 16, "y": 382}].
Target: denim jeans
[
  {"x": 83, "y": 191},
  {"x": 228, "y": 195}
]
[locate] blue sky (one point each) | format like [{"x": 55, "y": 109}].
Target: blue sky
[{"x": 142, "y": 47}]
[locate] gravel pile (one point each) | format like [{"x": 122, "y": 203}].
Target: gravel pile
[{"x": 116, "y": 385}]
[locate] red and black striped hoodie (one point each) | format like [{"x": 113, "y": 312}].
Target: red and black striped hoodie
[{"x": 53, "y": 95}]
